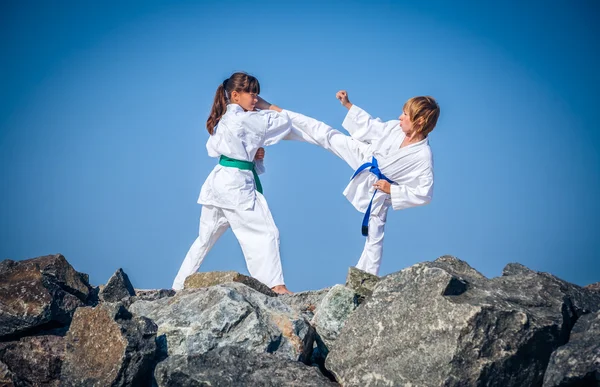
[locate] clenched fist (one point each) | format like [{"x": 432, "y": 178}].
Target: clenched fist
[{"x": 342, "y": 96}]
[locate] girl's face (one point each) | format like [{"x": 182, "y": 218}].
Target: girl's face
[
  {"x": 406, "y": 123},
  {"x": 246, "y": 100}
]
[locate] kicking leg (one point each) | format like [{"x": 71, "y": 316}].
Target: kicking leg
[
  {"x": 212, "y": 225},
  {"x": 318, "y": 133}
]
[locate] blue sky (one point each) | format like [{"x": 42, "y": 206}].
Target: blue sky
[{"x": 103, "y": 105}]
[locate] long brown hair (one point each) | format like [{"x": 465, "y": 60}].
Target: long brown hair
[{"x": 240, "y": 82}]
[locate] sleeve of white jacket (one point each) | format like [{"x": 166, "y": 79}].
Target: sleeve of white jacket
[
  {"x": 404, "y": 196},
  {"x": 365, "y": 128},
  {"x": 278, "y": 124}
]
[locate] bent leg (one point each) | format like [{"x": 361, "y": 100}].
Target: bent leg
[
  {"x": 212, "y": 225},
  {"x": 370, "y": 259},
  {"x": 259, "y": 239},
  {"x": 309, "y": 130}
]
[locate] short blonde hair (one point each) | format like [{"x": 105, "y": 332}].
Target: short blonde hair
[{"x": 423, "y": 113}]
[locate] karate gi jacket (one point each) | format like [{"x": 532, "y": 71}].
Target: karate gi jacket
[
  {"x": 238, "y": 135},
  {"x": 410, "y": 167}
]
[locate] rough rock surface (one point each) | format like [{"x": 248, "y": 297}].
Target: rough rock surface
[
  {"x": 361, "y": 282},
  {"x": 107, "y": 346},
  {"x": 117, "y": 288},
  {"x": 305, "y": 303},
  {"x": 233, "y": 366},
  {"x": 196, "y": 321},
  {"x": 443, "y": 323},
  {"x": 39, "y": 293},
  {"x": 334, "y": 310},
  {"x": 34, "y": 360},
  {"x": 153, "y": 294},
  {"x": 212, "y": 278},
  {"x": 577, "y": 363},
  {"x": 594, "y": 286},
  {"x": 6, "y": 377}
]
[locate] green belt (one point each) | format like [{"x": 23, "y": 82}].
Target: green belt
[{"x": 244, "y": 165}]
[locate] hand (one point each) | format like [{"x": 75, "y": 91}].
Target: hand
[
  {"x": 262, "y": 104},
  {"x": 383, "y": 186},
  {"x": 260, "y": 154},
  {"x": 342, "y": 96}
]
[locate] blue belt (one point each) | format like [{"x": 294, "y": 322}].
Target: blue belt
[{"x": 374, "y": 169}]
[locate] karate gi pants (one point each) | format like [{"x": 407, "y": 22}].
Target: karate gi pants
[
  {"x": 256, "y": 233},
  {"x": 354, "y": 153}
]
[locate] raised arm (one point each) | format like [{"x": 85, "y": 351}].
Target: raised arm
[{"x": 360, "y": 124}]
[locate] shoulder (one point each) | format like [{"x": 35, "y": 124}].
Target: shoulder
[
  {"x": 241, "y": 118},
  {"x": 425, "y": 155}
]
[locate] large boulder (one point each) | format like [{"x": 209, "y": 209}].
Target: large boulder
[
  {"x": 108, "y": 346},
  {"x": 39, "y": 293},
  {"x": 33, "y": 361},
  {"x": 197, "y": 321},
  {"x": 577, "y": 363},
  {"x": 212, "y": 278},
  {"x": 443, "y": 323},
  {"x": 234, "y": 366},
  {"x": 117, "y": 288}
]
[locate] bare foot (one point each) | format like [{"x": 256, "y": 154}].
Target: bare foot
[{"x": 281, "y": 289}]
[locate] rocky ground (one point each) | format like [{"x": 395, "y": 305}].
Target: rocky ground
[{"x": 438, "y": 323}]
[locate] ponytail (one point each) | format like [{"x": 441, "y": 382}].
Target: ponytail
[
  {"x": 240, "y": 82},
  {"x": 219, "y": 108}
]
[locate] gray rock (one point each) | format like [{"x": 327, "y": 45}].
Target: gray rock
[
  {"x": 361, "y": 282},
  {"x": 33, "y": 360},
  {"x": 594, "y": 287},
  {"x": 460, "y": 268},
  {"x": 212, "y": 278},
  {"x": 117, "y": 288},
  {"x": 108, "y": 346},
  {"x": 516, "y": 269},
  {"x": 443, "y": 323},
  {"x": 6, "y": 377},
  {"x": 153, "y": 294},
  {"x": 305, "y": 303},
  {"x": 234, "y": 366},
  {"x": 37, "y": 293},
  {"x": 577, "y": 363},
  {"x": 329, "y": 319},
  {"x": 148, "y": 295},
  {"x": 334, "y": 310},
  {"x": 196, "y": 321}
]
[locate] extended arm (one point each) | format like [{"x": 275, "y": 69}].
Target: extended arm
[
  {"x": 360, "y": 124},
  {"x": 278, "y": 124}
]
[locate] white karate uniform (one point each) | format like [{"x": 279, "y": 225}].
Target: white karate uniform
[
  {"x": 229, "y": 198},
  {"x": 410, "y": 167}
]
